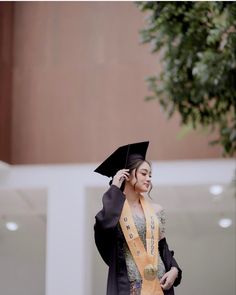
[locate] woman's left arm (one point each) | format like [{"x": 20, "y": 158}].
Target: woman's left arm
[{"x": 173, "y": 275}]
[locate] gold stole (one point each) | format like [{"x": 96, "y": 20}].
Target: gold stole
[{"x": 146, "y": 261}]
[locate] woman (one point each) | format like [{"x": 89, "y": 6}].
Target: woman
[{"x": 129, "y": 232}]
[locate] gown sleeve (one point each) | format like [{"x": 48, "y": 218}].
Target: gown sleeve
[
  {"x": 169, "y": 260},
  {"x": 106, "y": 222}
]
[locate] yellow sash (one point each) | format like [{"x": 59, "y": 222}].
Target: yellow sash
[{"x": 146, "y": 261}]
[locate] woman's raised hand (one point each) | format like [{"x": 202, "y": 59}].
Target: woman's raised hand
[{"x": 120, "y": 176}]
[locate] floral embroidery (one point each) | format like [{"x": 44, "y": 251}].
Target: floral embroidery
[{"x": 135, "y": 288}]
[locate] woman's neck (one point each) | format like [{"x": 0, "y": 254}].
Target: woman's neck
[{"x": 131, "y": 195}]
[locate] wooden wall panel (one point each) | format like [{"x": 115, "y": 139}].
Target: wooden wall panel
[
  {"x": 79, "y": 86},
  {"x": 6, "y": 45}
]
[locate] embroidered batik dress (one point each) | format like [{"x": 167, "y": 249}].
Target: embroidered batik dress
[{"x": 132, "y": 270}]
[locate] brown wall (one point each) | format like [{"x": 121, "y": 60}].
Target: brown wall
[
  {"x": 6, "y": 30},
  {"x": 78, "y": 86}
]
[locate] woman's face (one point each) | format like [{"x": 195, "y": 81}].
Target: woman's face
[{"x": 142, "y": 180}]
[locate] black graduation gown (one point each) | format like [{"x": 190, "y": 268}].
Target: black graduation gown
[{"x": 110, "y": 240}]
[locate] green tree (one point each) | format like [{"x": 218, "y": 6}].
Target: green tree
[{"x": 197, "y": 45}]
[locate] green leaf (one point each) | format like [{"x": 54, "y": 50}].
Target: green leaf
[{"x": 196, "y": 46}]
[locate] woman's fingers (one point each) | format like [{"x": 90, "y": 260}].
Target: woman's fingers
[
  {"x": 166, "y": 281},
  {"x": 166, "y": 285},
  {"x": 120, "y": 176},
  {"x": 126, "y": 174},
  {"x": 122, "y": 173},
  {"x": 163, "y": 279}
]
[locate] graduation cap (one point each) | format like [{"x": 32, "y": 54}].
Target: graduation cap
[{"x": 119, "y": 158}]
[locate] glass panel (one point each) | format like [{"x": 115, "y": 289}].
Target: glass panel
[{"x": 22, "y": 249}]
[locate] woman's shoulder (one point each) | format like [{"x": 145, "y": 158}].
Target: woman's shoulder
[
  {"x": 160, "y": 213},
  {"x": 158, "y": 208}
]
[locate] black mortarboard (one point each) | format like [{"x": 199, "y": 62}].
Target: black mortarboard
[{"x": 118, "y": 160}]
